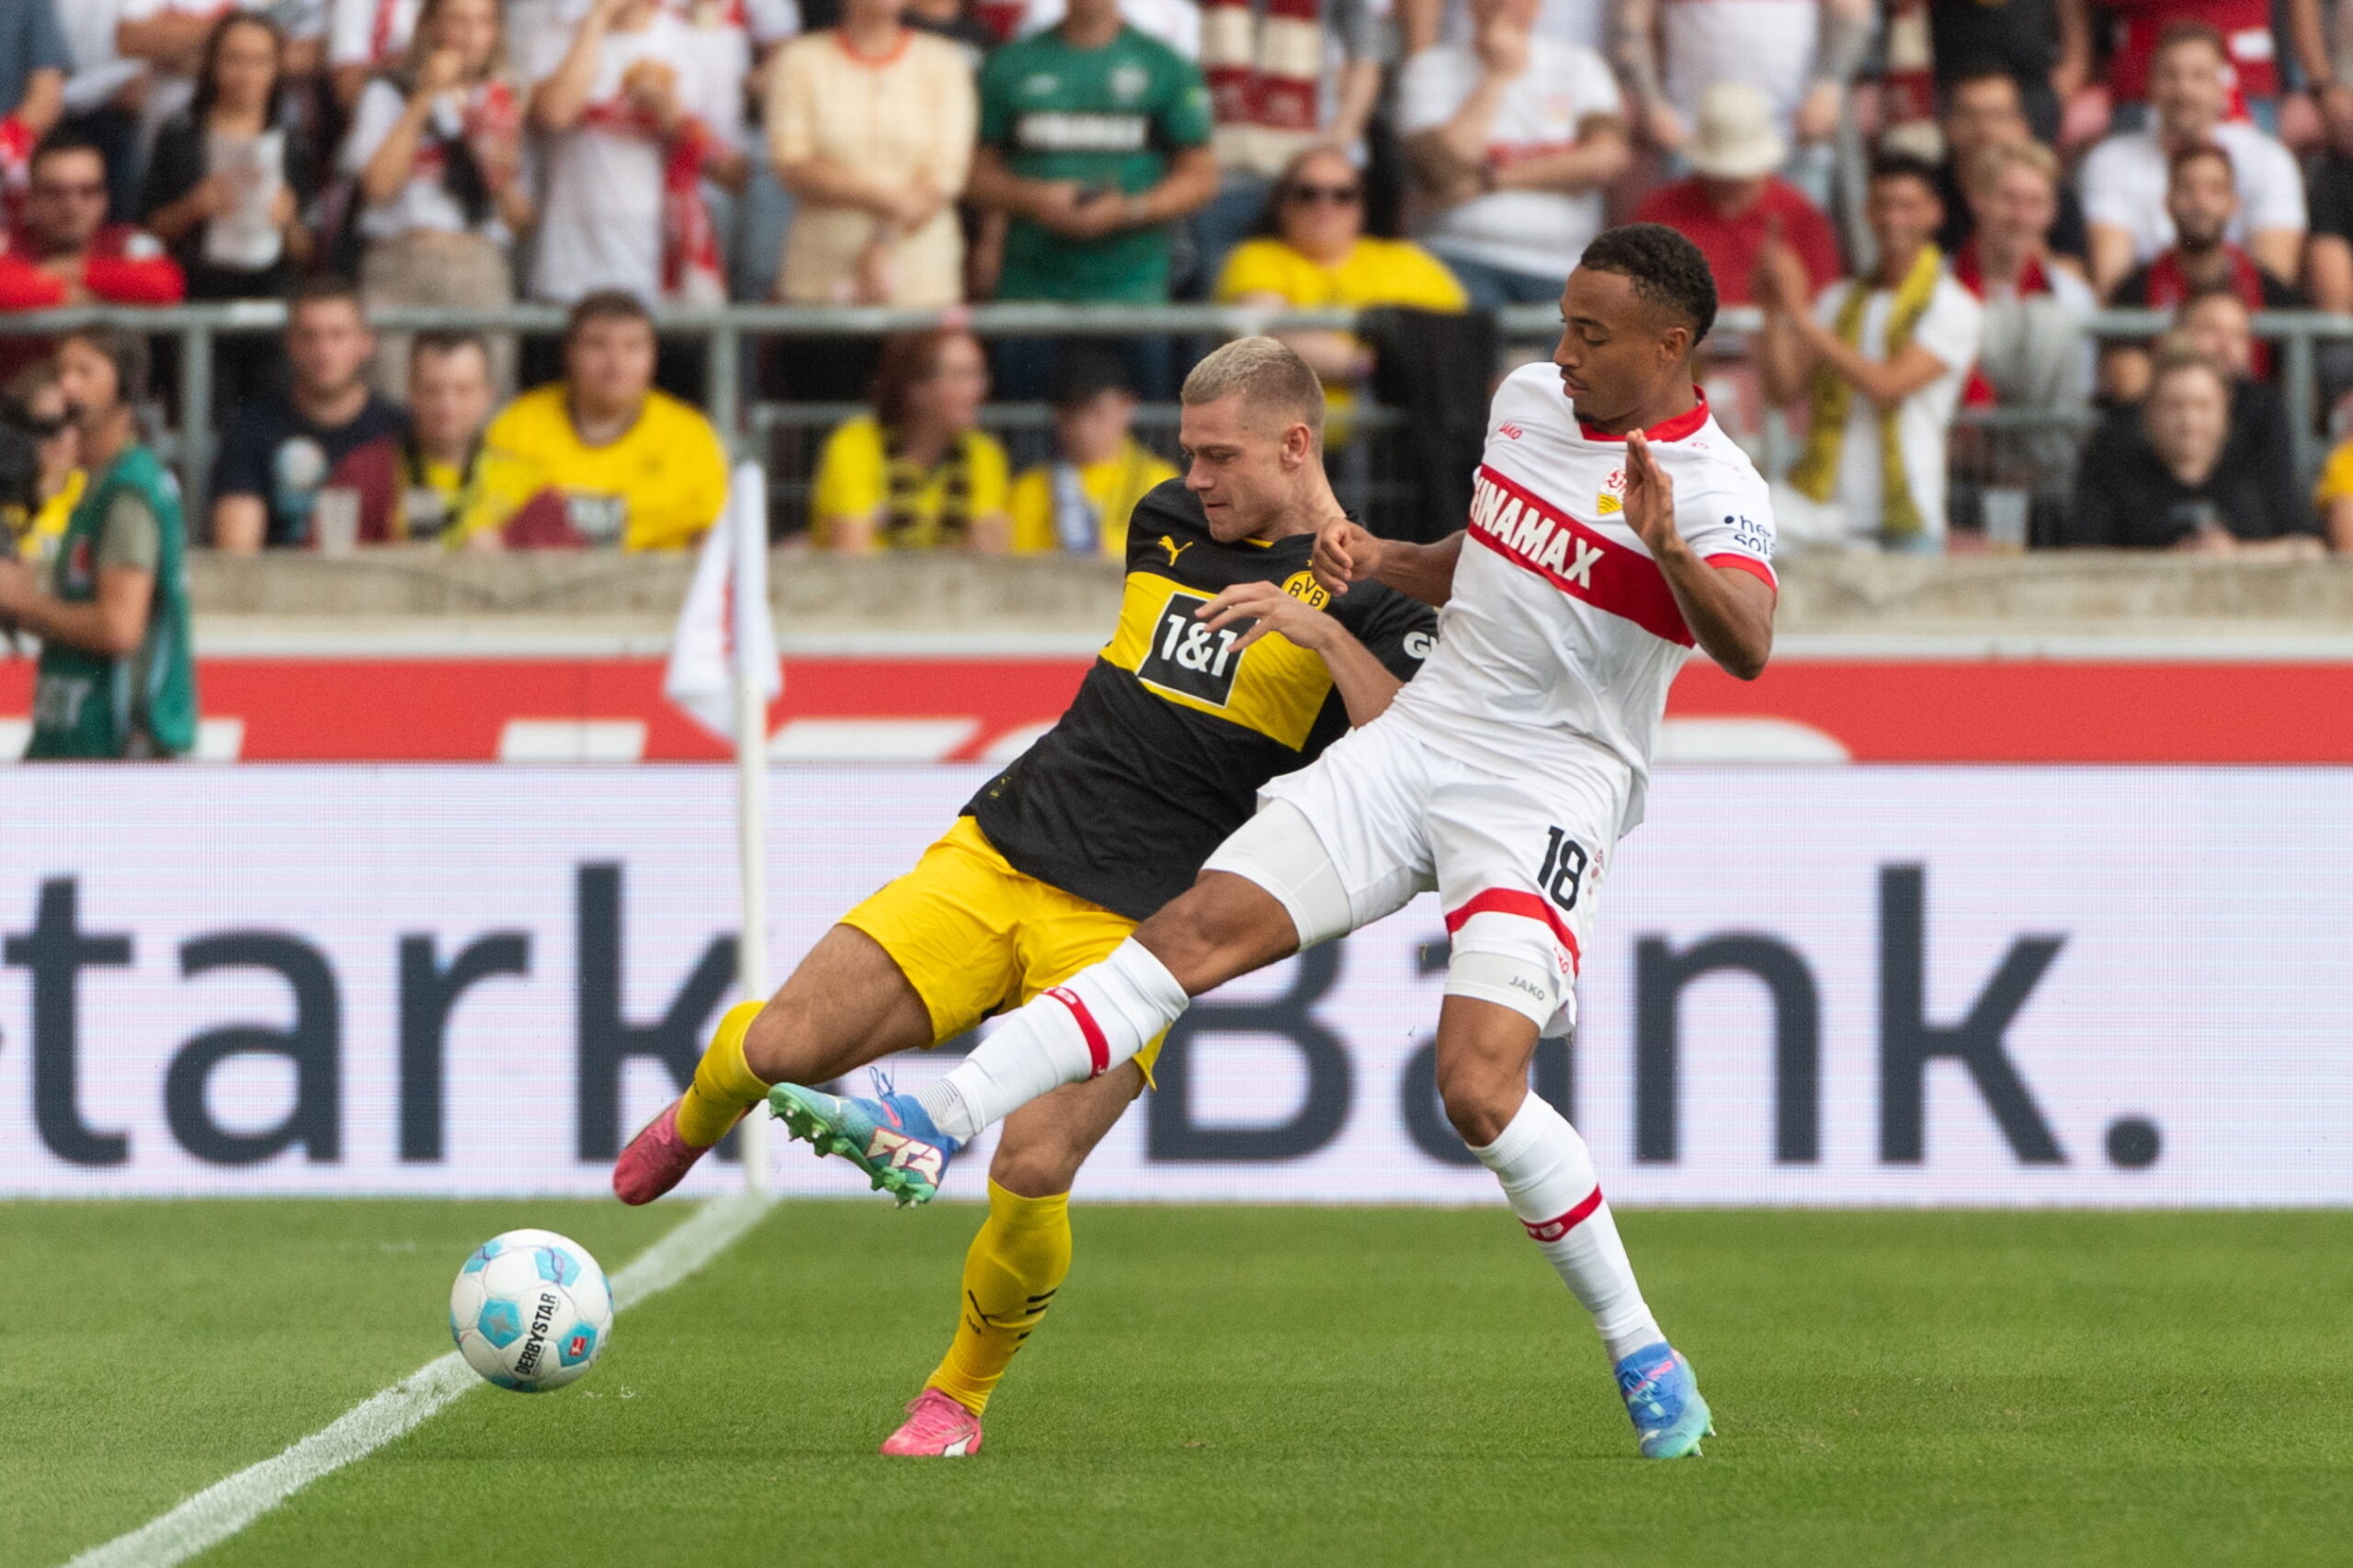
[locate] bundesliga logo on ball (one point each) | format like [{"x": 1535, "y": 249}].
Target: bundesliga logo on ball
[{"x": 532, "y": 1311}]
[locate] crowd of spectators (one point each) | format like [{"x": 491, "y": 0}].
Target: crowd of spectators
[{"x": 2028, "y": 163}]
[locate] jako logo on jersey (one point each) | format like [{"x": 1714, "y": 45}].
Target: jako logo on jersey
[
  {"x": 1509, "y": 432},
  {"x": 1173, "y": 548}
]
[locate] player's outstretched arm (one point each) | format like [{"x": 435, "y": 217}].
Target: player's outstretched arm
[
  {"x": 1347, "y": 552},
  {"x": 1729, "y": 611},
  {"x": 1364, "y": 682}
]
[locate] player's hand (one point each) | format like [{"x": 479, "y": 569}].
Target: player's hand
[
  {"x": 1273, "y": 609},
  {"x": 1649, "y": 499},
  {"x": 1345, "y": 552}
]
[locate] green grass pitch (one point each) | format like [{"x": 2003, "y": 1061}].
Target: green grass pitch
[{"x": 1215, "y": 1385}]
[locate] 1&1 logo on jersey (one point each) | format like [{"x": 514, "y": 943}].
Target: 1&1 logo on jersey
[{"x": 1187, "y": 657}]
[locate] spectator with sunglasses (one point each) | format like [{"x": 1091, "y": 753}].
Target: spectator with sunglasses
[
  {"x": 67, "y": 253},
  {"x": 1316, "y": 255}
]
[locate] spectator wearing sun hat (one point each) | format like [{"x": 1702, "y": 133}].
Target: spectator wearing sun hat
[{"x": 1734, "y": 201}]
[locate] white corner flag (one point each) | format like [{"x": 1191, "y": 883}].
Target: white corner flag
[
  {"x": 724, "y": 630},
  {"x": 724, "y": 672}
]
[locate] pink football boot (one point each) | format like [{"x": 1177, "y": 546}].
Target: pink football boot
[
  {"x": 937, "y": 1427},
  {"x": 656, "y": 1160}
]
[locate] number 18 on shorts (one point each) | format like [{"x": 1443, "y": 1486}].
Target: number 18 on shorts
[{"x": 1516, "y": 862}]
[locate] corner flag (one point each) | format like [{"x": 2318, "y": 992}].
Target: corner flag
[{"x": 724, "y": 627}]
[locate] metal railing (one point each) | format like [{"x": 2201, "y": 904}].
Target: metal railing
[{"x": 727, "y": 331}]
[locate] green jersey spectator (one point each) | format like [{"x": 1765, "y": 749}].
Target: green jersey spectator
[
  {"x": 116, "y": 676},
  {"x": 1094, "y": 137}
]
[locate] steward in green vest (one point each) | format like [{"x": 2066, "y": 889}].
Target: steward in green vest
[{"x": 116, "y": 678}]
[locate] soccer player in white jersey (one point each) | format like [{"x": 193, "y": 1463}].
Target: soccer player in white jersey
[{"x": 1615, "y": 525}]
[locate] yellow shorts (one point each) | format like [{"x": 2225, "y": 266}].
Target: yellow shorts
[{"x": 974, "y": 937}]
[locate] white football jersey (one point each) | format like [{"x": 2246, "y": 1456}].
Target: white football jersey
[{"x": 1561, "y": 634}]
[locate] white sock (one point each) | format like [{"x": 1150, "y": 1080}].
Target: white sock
[
  {"x": 1547, "y": 1172},
  {"x": 1080, "y": 1029}
]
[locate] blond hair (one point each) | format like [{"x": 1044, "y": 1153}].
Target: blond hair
[
  {"x": 2022, "y": 154},
  {"x": 1264, "y": 373}
]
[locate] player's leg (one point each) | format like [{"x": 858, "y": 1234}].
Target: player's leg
[
  {"x": 1018, "y": 1259},
  {"x": 1223, "y": 926},
  {"x": 846, "y": 1003},
  {"x": 1518, "y": 869},
  {"x": 1334, "y": 846},
  {"x": 921, "y": 959}
]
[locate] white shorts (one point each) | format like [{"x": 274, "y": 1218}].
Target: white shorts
[{"x": 1516, "y": 862}]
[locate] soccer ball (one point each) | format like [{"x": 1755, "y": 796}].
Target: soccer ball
[{"x": 530, "y": 1311}]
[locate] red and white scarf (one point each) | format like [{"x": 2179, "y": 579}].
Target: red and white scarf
[
  {"x": 691, "y": 274},
  {"x": 1265, "y": 75}
]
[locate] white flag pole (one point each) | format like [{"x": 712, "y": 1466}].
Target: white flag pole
[{"x": 747, "y": 515}]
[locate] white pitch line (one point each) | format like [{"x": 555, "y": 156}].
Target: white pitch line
[{"x": 221, "y": 1510}]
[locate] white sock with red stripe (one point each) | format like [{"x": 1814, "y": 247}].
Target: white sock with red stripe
[
  {"x": 1080, "y": 1029},
  {"x": 1547, "y": 1172}
]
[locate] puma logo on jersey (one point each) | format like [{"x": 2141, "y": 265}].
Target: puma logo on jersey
[{"x": 1173, "y": 548}]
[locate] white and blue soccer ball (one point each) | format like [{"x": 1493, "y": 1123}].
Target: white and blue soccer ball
[{"x": 532, "y": 1311}]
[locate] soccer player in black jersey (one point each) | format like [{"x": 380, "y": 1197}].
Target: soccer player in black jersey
[{"x": 1229, "y": 665}]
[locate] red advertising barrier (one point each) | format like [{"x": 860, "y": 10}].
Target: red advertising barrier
[{"x": 312, "y": 709}]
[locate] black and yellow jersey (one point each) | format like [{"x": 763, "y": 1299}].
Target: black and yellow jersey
[{"x": 1160, "y": 755}]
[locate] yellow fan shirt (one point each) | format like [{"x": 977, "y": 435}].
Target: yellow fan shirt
[
  {"x": 1112, "y": 487},
  {"x": 659, "y": 485},
  {"x": 1374, "y": 272},
  {"x": 854, "y": 480}
]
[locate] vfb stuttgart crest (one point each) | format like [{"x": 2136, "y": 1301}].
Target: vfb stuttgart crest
[{"x": 1611, "y": 500}]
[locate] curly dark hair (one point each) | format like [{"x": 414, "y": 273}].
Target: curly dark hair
[{"x": 1663, "y": 265}]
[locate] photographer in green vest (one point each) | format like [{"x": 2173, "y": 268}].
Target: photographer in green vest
[{"x": 116, "y": 678}]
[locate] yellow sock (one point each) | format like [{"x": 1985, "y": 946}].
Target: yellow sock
[
  {"x": 724, "y": 1087},
  {"x": 1015, "y": 1264}
]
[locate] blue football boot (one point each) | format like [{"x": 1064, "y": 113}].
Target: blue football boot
[
  {"x": 891, "y": 1138},
  {"x": 1662, "y": 1399}
]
